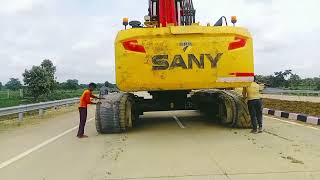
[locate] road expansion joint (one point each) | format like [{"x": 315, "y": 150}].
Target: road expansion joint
[
  {"x": 167, "y": 177},
  {"x": 212, "y": 175},
  {"x": 209, "y": 155}
]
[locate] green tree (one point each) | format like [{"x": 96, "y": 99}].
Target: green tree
[
  {"x": 308, "y": 83},
  {"x": 267, "y": 80},
  {"x": 280, "y": 78},
  {"x": 0, "y": 86},
  {"x": 71, "y": 84},
  {"x": 287, "y": 73},
  {"x": 14, "y": 84},
  {"x": 289, "y": 79},
  {"x": 317, "y": 83},
  {"x": 294, "y": 80},
  {"x": 40, "y": 80},
  {"x": 51, "y": 69},
  {"x": 61, "y": 85},
  {"x": 83, "y": 86}
]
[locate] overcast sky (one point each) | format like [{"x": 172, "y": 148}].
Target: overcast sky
[{"x": 78, "y": 35}]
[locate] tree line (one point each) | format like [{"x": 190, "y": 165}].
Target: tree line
[
  {"x": 288, "y": 79},
  {"x": 40, "y": 81}
]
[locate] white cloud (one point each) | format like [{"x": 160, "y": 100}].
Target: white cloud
[
  {"x": 285, "y": 32},
  {"x": 22, "y": 6}
]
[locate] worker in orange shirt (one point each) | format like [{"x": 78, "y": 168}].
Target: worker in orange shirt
[{"x": 85, "y": 99}]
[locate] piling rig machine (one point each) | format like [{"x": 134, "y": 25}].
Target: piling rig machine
[{"x": 182, "y": 65}]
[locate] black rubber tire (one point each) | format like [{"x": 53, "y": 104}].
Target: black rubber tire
[
  {"x": 111, "y": 113},
  {"x": 98, "y": 119},
  {"x": 232, "y": 108},
  {"x": 243, "y": 120},
  {"x": 127, "y": 105}
]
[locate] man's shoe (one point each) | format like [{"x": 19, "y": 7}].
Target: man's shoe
[
  {"x": 83, "y": 136},
  {"x": 260, "y": 130},
  {"x": 254, "y": 131}
]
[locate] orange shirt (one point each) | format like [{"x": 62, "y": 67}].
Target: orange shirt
[{"x": 85, "y": 99}]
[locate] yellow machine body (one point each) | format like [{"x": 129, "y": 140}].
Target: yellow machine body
[{"x": 183, "y": 58}]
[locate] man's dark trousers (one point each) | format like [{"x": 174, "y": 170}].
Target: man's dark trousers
[
  {"x": 83, "y": 119},
  {"x": 255, "y": 109}
]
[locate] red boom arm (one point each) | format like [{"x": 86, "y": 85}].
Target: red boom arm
[
  {"x": 167, "y": 12},
  {"x": 176, "y": 12}
]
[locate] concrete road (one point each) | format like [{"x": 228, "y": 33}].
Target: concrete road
[{"x": 166, "y": 145}]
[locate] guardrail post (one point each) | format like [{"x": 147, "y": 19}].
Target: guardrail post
[
  {"x": 41, "y": 113},
  {"x": 21, "y": 93},
  {"x": 20, "y": 116}
]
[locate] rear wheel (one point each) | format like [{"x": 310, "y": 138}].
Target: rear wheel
[
  {"x": 244, "y": 120},
  {"x": 115, "y": 114},
  {"x": 226, "y": 107},
  {"x": 126, "y": 112},
  {"x": 237, "y": 109}
]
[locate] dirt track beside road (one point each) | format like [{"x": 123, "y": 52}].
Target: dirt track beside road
[{"x": 308, "y": 108}]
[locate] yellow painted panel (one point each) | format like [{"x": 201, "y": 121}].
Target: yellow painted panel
[{"x": 183, "y": 58}]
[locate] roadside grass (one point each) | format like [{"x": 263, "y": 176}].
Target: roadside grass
[
  {"x": 12, "y": 94},
  {"x": 32, "y": 118},
  {"x": 10, "y": 102},
  {"x": 15, "y": 100}
]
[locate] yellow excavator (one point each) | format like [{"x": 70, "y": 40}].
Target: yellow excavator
[{"x": 182, "y": 65}]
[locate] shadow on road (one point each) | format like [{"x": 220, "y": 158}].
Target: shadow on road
[{"x": 166, "y": 121}]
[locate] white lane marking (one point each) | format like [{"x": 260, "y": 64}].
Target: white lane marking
[
  {"x": 26, "y": 153},
  {"x": 179, "y": 122},
  {"x": 293, "y": 123}
]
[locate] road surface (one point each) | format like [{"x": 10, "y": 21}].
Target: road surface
[{"x": 165, "y": 146}]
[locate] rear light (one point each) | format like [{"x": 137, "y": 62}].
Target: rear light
[
  {"x": 132, "y": 45},
  {"x": 241, "y": 74},
  {"x": 238, "y": 43}
]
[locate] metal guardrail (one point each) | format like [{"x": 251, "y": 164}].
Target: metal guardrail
[{"x": 32, "y": 107}]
